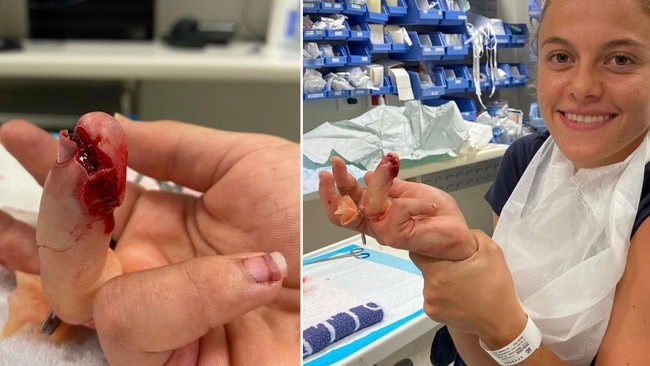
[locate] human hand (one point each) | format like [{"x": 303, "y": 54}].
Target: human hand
[
  {"x": 191, "y": 247},
  {"x": 475, "y": 296},
  {"x": 418, "y": 218}
]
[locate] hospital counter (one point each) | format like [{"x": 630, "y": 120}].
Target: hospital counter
[
  {"x": 466, "y": 177},
  {"x": 147, "y": 60}
]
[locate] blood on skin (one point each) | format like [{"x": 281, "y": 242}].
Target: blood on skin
[
  {"x": 101, "y": 193},
  {"x": 394, "y": 161}
]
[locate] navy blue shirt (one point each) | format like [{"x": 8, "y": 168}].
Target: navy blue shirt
[{"x": 513, "y": 164}]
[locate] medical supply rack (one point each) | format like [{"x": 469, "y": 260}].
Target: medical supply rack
[{"x": 429, "y": 30}]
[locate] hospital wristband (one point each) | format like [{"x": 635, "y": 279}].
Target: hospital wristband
[{"x": 519, "y": 349}]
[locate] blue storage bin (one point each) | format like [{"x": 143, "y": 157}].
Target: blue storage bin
[
  {"x": 489, "y": 81},
  {"x": 459, "y": 82},
  {"x": 484, "y": 84},
  {"x": 360, "y": 92},
  {"x": 313, "y": 63},
  {"x": 417, "y": 16},
  {"x": 455, "y": 51},
  {"x": 387, "y": 88},
  {"x": 519, "y": 78},
  {"x": 338, "y": 34},
  {"x": 433, "y": 91},
  {"x": 338, "y": 93},
  {"x": 362, "y": 34},
  {"x": 314, "y": 96},
  {"x": 340, "y": 59},
  {"x": 311, "y": 7},
  {"x": 354, "y": 9},
  {"x": 381, "y": 48},
  {"x": 373, "y": 17},
  {"x": 331, "y": 7},
  {"x": 503, "y": 82},
  {"x": 398, "y": 48},
  {"x": 503, "y": 39},
  {"x": 452, "y": 17},
  {"x": 359, "y": 54},
  {"x": 396, "y": 11},
  {"x": 467, "y": 106},
  {"x": 421, "y": 52},
  {"x": 535, "y": 117},
  {"x": 518, "y": 34},
  {"x": 312, "y": 34}
]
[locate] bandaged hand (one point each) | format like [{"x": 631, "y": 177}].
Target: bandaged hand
[
  {"x": 417, "y": 217},
  {"x": 199, "y": 282}
]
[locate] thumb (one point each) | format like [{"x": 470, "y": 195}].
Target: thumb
[{"x": 142, "y": 317}]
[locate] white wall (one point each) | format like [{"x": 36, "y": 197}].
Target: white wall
[{"x": 272, "y": 108}]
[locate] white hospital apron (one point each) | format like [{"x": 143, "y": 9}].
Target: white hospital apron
[{"x": 565, "y": 237}]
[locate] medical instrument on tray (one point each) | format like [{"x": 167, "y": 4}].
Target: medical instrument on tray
[
  {"x": 363, "y": 238},
  {"x": 50, "y": 323},
  {"x": 358, "y": 253}
]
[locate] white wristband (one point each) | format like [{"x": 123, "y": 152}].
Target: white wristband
[{"x": 519, "y": 349}]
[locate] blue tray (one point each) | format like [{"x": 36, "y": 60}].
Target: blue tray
[
  {"x": 387, "y": 88},
  {"x": 331, "y": 7},
  {"x": 309, "y": 7},
  {"x": 452, "y": 17},
  {"x": 314, "y": 96},
  {"x": 524, "y": 72},
  {"x": 340, "y": 59},
  {"x": 338, "y": 93},
  {"x": 354, "y": 9},
  {"x": 459, "y": 83},
  {"x": 424, "y": 92},
  {"x": 358, "y": 54},
  {"x": 313, "y": 63},
  {"x": 396, "y": 11},
  {"x": 416, "y": 16},
  {"x": 518, "y": 34},
  {"x": 381, "y": 48},
  {"x": 359, "y": 35},
  {"x": 420, "y": 52}
]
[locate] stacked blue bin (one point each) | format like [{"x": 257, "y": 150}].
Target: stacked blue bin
[{"x": 429, "y": 30}]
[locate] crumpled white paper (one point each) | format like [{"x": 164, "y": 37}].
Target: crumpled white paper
[{"x": 414, "y": 131}]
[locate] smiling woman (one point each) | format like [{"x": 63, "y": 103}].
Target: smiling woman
[{"x": 593, "y": 79}]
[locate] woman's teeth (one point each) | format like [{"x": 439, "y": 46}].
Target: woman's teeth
[{"x": 580, "y": 118}]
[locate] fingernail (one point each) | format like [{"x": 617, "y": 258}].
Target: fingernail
[
  {"x": 267, "y": 268},
  {"x": 66, "y": 151},
  {"x": 121, "y": 118}
]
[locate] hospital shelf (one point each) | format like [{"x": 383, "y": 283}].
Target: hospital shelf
[{"x": 438, "y": 35}]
